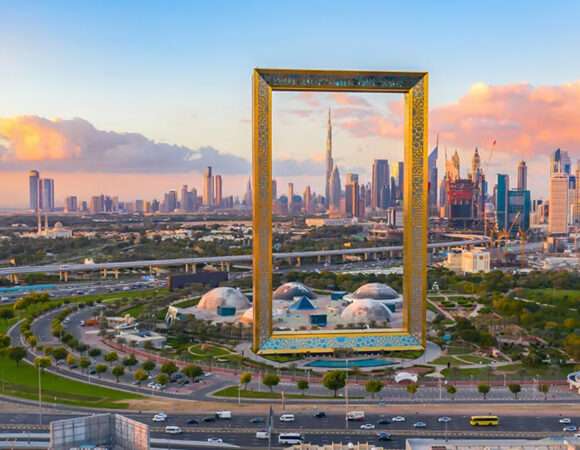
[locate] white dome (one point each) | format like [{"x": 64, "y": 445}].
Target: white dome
[
  {"x": 288, "y": 291},
  {"x": 375, "y": 291},
  {"x": 365, "y": 310},
  {"x": 248, "y": 316},
  {"x": 224, "y": 296}
]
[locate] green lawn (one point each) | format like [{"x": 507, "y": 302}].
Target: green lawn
[
  {"x": 209, "y": 350},
  {"x": 187, "y": 303},
  {"x": 475, "y": 359},
  {"x": 5, "y": 324},
  {"x": 232, "y": 392},
  {"x": 22, "y": 382},
  {"x": 134, "y": 311}
]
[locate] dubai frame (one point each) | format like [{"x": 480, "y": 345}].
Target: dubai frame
[{"x": 412, "y": 335}]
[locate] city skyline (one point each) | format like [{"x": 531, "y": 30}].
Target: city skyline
[{"x": 161, "y": 118}]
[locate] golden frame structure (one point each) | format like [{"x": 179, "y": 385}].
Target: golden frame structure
[{"x": 414, "y": 86}]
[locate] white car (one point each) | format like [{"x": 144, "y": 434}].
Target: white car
[
  {"x": 565, "y": 420},
  {"x": 444, "y": 419},
  {"x": 215, "y": 440},
  {"x": 367, "y": 426},
  {"x": 570, "y": 428},
  {"x": 158, "y": 418},
  {"x": 287, "y": 418},
  {"x": 162, "y": 414},
  {"x": 398, "y": 419},
  {"x": 172, "y": 429}
]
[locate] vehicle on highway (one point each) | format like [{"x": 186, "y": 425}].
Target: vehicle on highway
[
  {"x": 384, "y": 436},
  {"x": 213, "y": 440},
  {"x": 287, "y": 418},
  {"x": 398, "y": 419},
  {"x": 172, "y": 429},
  {"x": 570, "y": 428},
  {"x": 158, "y": 418},
  {"x": 193, "y": 422},
  {"x": 226, "y": 415},
  {"x": 420, "y": 425},
  {"x": 367, "y": 426},
  {"x": 383, "y": 421},
  {"x": 290, "y": 438},
  {"x": 355, "y": 415},
  {"x": 565, "y": 420},
  {"x": 208, "y": 419},
  {"x": 262, "y": 434},
  {"x": 257, "y": 420},
  {"x": 484, "y": 421},
  {"x": 320, "y": 415},
  {"x": 444, "y": 419}
]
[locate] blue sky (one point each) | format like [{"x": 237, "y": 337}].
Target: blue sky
[{"x": 179, "y": 72}]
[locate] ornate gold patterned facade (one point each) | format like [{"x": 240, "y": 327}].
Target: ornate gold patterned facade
[{"x": 414, "y": 86}]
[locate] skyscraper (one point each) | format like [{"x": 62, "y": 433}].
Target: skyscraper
[
  {"x": 335, "y": 190},
  {"x": 248, "y": 194},
  {"x": 291, "y": 198},
  {"x": 502, "y": 202},
  {"x": 380, "y": 195},
  {"x": 329, "y": 160},
  {"x": 218, "y": 197},
  {"x": 400, "y": 180},
  {"x": 208, "y": 195},
  {"x": 33, "y": 188},
  {"x": 71, "y": 204},
  {"x": 185, "y": 203},
  {"x": 475, "y": 163},
  {"x": 558, "y": 215},
  {"x": 522, "y": 176},
  {"x": 46, "y": 194},
  {"x": 433, "y": 181},
  {"x": 351, "y": 195},
  {"x": 453, "y": 167},
  {"x": 308, "y": 207}
]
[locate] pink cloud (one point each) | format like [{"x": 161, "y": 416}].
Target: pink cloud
[
  {"x": 309, "y": 98},
  {"x": 343, "y": 98}
]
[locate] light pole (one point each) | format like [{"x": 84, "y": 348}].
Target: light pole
[
  {"x": 239, "y": 394},
  {"x": 346, "y": 398},
  {"x": 40, "y": 394}
]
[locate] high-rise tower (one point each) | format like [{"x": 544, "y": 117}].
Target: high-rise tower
[
  {"x": 208, "y": 196},
  {"x": 329, "y": 161},
  {"x": 335, "y": 190},
  {"x": 218, "y": 194},
  {"x": 33, "y": 186},
  {"x": 380, "y": 190},
  {"x": 522, "y": 176}
]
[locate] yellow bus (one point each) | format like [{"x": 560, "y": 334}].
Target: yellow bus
[{"x": 484, "y": 421}]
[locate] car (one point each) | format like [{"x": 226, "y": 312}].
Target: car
[
  {"x": 209, "y": 419},
  {"x": 256, "y": 420},
  {"x": 383, "y": 421},
  {"x": 320, "y": 415},
  {"x": 262, "y": 434},
  {"x": 420, "y": 425},
  {"x": 172, "y": 429},
  {"x": 367, "y": 426},
  {"x": 444, "y": 419},
  {"x": 193, "y": 422},
  {"x": 287, "y": 418},
  {"x": 398, "y": 419},
  {"x": 383, "y": 436},
  {"x": 570, "y": 428},
  {"x": 213, "y": 440},
  {"x": 158, "y": 418},
  {"x": 565, "y": 420}
]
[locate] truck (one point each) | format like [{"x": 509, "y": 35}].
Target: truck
[
  {"x": 355, "y": 415},
  {"x": 227, "y": 415},
  {"x": 90, "y": 322}
]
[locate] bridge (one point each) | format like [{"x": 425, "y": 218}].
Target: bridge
[{"x": 226, "y": 261}]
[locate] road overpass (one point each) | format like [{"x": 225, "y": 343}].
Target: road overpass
[{"x": 226, "y": 261}]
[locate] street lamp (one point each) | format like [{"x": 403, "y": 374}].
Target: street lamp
[{"x": 346, "y": 397}]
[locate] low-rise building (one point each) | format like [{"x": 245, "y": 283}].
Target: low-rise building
[
  {"x": 140, "y": 339},
  {"x": 469, "y": 261}
]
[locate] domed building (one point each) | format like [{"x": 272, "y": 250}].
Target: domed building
[
  {"x": 288, "y": 291},
  {"x": 366, "y": 311},
  {"x": 378, "y": 292},
  {"x": 223, "y": 297}
]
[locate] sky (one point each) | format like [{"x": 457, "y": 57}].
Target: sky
[{"x": 136, "y": 97}]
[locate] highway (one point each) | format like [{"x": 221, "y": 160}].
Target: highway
[
  {"x": 57, "y": 268},
  {"x": 241, "y": 430}
]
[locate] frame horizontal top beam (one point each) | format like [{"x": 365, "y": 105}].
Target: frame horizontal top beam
[{"x": 339, "y": 80}]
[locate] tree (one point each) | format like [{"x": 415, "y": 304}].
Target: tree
[
  {"x": 42, "y": 362},
  {"x": 192, "y": 371},
  {"x": 148, "y": 366},
  {"x": 32, "y": 340},
  {"x": 270, "y": 380},
  {"x": 16, "y": 354},
  {"x": 451, "y": 390},
  {"x": 334, "y": 380},
  {"x": 245, "y": 379},
  {"x": 140, "y": 375},
  {"x": 515, "y": 389},
  {"x": 100, "y": 369},
  {"x": 59, "y": 353},
  {"x": 130, "y": 361},
  {"x": 118, "y": 372},
  {"x": 544, "y": 388},
  {"x": 169, "y": 368},
  {"x": 302, "y": 385},
  {"x": 412, "y": 389},
  {"x": 483, "y": 389},
  {"x": 373, "y": 387},
  {"x": 94, "y": 352},
  {"x": 84, "y": 362},
  {"x": 71, "y": 360},
  {"x": 162, "y": 379},
  {"x": 4, "y": 341},
  {"x": 111, "y": 357}
]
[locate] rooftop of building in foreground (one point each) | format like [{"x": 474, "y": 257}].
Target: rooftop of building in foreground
[{"x": 555, "y": 443}]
